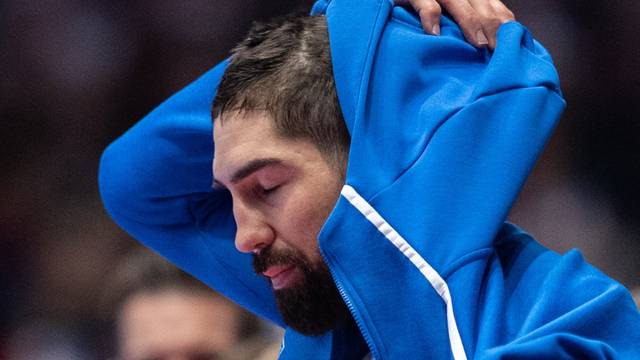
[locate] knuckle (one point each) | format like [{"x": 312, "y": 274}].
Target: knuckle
[
  {"x": 502, "y": 13},
  {"x": 429, "y": 8},
  {"x": 508, "y": 15},
  {"x": 491, "y": 18}
]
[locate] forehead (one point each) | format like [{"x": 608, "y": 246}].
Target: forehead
[
  {"x": 243, "y": 137},
  {"x": 172, "y": 321},
  {"x": 242, "y": 128}
]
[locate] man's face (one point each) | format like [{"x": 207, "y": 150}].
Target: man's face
[
  {"x": 177, "y": 324},
  {"x": 283, "y": 190}
]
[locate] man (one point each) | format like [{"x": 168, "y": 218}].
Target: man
[
  {"x": 159, "y": 312},
  {"x": 378, "y": 222}
]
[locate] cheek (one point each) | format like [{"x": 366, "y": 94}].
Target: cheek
[{"x": 302, "y": 220}]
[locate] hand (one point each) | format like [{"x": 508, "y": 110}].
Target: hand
[{"x": 479, "y": 19}]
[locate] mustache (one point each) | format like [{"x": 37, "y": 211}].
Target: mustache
[{"x": 268, "y": 257}]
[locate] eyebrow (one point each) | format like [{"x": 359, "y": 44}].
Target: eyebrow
[{"x": 246, "y": 170}]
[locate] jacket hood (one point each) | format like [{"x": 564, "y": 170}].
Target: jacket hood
[{"x": 453, "y": 130}]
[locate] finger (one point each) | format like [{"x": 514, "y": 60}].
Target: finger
[
  {"x": 493, "y": 13},
  {"x": 503, "y": 11},
  {"x": 469, "y": 20},
  {"x": 429, "y": 12}
]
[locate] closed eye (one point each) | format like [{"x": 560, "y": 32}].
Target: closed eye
[
  {"x": 263, "y": 191},
  {"x": 270, "y": 190}
]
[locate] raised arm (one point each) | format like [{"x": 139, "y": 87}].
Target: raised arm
[{"x": 155, "y": 181}]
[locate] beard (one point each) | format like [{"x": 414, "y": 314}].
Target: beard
[{"x": 314, "y": 305}]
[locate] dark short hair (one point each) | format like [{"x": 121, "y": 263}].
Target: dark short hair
[
  {"x": 283, "y": 67},
  {"x": 144, "y": 272}
]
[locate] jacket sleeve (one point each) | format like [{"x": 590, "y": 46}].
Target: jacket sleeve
[{"x": 155, "y": 181}]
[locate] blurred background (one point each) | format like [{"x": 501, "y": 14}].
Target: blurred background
[{"x": 76, "y": 74}]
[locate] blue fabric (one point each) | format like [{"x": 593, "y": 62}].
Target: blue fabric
[{"x": 454, "y": 131}]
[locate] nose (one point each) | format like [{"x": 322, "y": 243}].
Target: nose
[{"x": 253, "y": 232}]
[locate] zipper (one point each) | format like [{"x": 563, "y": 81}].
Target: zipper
[{"x": 352, "y": 310}]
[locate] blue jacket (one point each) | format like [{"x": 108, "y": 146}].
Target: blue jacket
[{"x": 417, "y": 244}]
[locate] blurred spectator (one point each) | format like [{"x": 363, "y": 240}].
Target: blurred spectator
[{"x": 160, "y": 312}]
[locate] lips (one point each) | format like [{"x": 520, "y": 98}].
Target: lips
[
  {"x": 283, "y": 276},
  {"x": 274, "y": 270}
]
